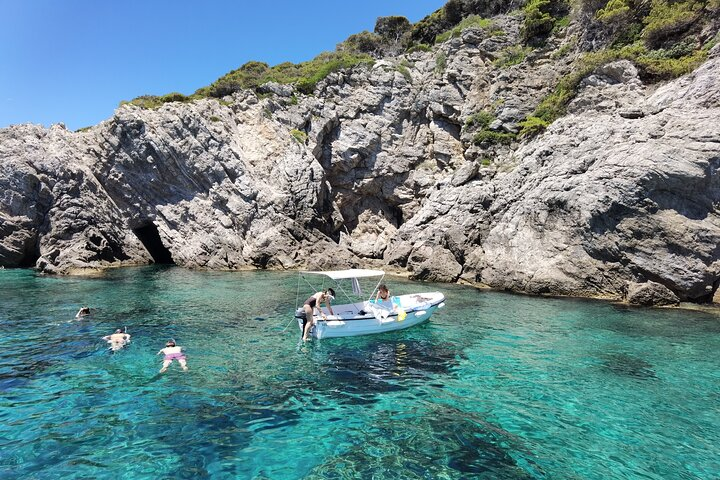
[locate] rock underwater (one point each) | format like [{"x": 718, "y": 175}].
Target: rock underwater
[{"x": 621, "y": 192}]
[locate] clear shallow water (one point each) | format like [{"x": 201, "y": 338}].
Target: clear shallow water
[{"x": 493, "y": 386}]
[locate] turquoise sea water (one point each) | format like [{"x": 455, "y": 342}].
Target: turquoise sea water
[{"x": 494, "y": 386}]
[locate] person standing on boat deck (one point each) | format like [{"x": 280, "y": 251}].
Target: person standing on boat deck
[
  {"x": 172, "y": 352},
  {"x": 313, "y": 303},
  {"x": 383, "y": 294}
]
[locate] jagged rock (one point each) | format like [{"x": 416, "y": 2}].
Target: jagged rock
[
  {"x": 397, "y": 253},
  {"x": 621, "y": 71},
  {"x": 631, "y": 113},
  {"x": 464, "y": 174},
  {"x": 615, "y": 87},
  {"x": 433, "y": 263},
  {"x": 597, "y": 201},
  {"x": 651, "y": 294},
  {"x": 277, "y": 88},
  {"x": 715, "y": 51}
]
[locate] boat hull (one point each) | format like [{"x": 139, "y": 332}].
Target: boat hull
[{"x": 352, "y": 320}]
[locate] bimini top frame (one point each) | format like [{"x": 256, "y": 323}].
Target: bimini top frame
[
  {"x": 336, "y": 275},
  {"x": 351, "y": 273}
]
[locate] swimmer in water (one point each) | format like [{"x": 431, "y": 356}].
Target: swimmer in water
[
  {"x": 83, "y": 312},
  {"x": 117, "y": 340},
  {"x": 172, "y": 352}
]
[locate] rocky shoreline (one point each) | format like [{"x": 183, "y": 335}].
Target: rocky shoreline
[{"x": 616, "y": 200}]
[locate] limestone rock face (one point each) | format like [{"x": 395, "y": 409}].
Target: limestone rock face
[
  {"x": 380, "y": 167},
  {"x": 600, "y": 200},
  {"x": 651, "y": 293}
]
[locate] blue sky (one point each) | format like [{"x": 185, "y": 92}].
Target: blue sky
[{"x": 73, "y": 61}]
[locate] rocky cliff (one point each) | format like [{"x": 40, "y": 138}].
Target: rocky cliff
[{"x": 381, "y": 166}]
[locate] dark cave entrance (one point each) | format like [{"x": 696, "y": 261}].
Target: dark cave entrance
[
  {"x": 31, "y": 254},
  {"x": 150, "y": 238}
]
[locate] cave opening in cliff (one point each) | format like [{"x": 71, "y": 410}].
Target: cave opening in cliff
[
  {"x": 150, "y": 238},
  {"x": 30, "y": 256}
]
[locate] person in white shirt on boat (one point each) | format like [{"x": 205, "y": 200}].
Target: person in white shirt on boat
[{"x": 312, "y": 304}]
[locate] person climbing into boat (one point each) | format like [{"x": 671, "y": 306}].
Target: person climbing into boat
[
  {"x": 83, "y": 312},
  {"x": 172, "y": 352},
  {"x": 383, "y": 294},
  {"x": 313, "y": 303},
  {"x": 117, "y": 340}
]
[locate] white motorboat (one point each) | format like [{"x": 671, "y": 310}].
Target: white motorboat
[{"x": 361, "y": 316}]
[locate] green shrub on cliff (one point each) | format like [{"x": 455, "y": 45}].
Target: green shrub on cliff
[
  {"x": 613, "y": 10},
  {"x": 305, "y": 75},
  {"x": 512, "y": 55},
  {"x": 473, "y": 21},
  {"x": 404, "y": 68},
  {"x": 481, "y": 120},
  {"x": 659, "y": 64},
  {"x": 155, "y": 101},
  {"x": 668, "y": 67},
  {"x": 440, "y": 62},
  {"x": 553, "y": 106},
  {"x": 299, "y": 136},
  {"x": 392, "y": 28},
  {"x": 388, "y": 38},
  {"x": 452, "y": 14},
  {"x": 325, "y": 64},
  {"x": 251, "y": 75},
  {"x": 667, "y": 18},
  {"x": 532, "y": 126},
  {"x": 489, "y": 137},
  {"x": 617, "y": 22},
  {"x": 420, "y": 47},
  {"x": 712, "y": 42},
  {"x": 657, "y": 23},
  {"x": 538, "y": 21},
  {"x": 394, "y": 31},
  {"x": 426, "y": 30},
  {"x": 566, "y": 48},
  {"x": 363, "y": 42},
  {"x": 654, "y": 65},
  {"x": 541, "y": 18}
]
